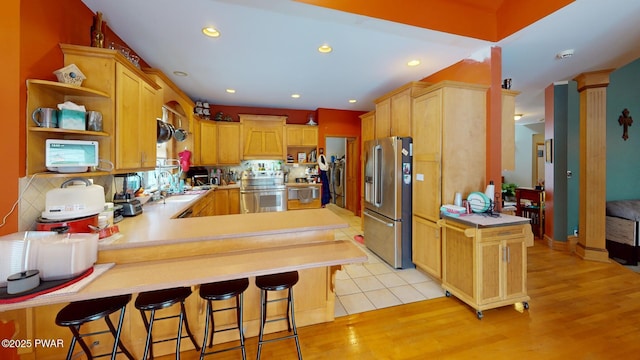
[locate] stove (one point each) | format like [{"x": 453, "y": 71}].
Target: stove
[{"x": 262, "y": 191}]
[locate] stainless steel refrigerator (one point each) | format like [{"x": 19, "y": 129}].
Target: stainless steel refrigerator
[{"x": 387, "y": 196}]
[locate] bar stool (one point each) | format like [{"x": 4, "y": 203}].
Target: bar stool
[
  {"x": 223, "y": 290},
  {"x": 277, "y": 282},
  {"x": 79, "y": 313},
  {"x": 161, "y": 299}
]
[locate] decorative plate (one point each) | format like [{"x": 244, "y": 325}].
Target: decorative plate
[{"x": 479, "y": 202}]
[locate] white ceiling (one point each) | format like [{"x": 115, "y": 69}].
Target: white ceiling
[{"x": 268, "y": 50}]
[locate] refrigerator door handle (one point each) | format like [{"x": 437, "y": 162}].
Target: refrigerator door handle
[
  {"x": 389, "y": 224},
  {"x": 377, "y": 175}
]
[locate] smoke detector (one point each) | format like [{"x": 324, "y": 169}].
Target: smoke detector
[{"x": 565, "y": 54}]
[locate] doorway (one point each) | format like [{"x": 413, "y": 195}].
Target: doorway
[
  {"x": 343, "y": 159},
  {"x": 537, "y": 171}
]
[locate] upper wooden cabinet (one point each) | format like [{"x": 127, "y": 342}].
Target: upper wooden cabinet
[
  {"x": 208, "y": 142},
  {"x": 302, "y": 135},
  {"x": 137, "y": 107},
  {"x": 229, "y": 144},
  {"x": 135, "y": 103},
  {"x": 393, "y": 110},
  {"x": 263, "y": 136},
  {"x": 508, "y": 129}
]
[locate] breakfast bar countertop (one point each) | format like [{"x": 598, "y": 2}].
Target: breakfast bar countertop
[{"x": 158, "y": 225}]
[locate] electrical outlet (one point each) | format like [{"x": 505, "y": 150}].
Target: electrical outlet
[{"x": 569, "y": 174}]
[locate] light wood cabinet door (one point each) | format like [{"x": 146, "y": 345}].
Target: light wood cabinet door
[
  {"x": 229, "y": 152},
  {"x": 151, "y": 109},
  {"x": 127, "y": 111},
  {"x": 383, "y": 119},
  {"x": 302, "y": 135},
  {"x": 234, "y": 201},
  {"x": 368, "y": 126},
  {"x": 427, "y": 246},
  {"x": 208, "y": 143},
  {"x": 401, "y": 114},
  {"x": 221, "y": 203}
]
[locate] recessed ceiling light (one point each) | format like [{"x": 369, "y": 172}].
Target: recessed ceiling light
[
  {"x": 517, "y": 117},
  {"x": 325, "y": 49},
  {"x": 414, "y": 62},
  {"x": 210, "y": 31},
  {"x": 352, "y": 101},
  {"x": 231, "y": 91},
  {"x": 180, "y": 73},
  {"x": 295, "y": 96}
]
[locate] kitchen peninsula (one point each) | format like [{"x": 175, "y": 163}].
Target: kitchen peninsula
[{"x": 156, "y": 250}]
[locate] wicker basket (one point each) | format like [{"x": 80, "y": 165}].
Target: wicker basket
[{"x": 70, "y": 74}]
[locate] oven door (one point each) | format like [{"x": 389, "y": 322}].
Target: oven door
[{"x": 253, "y": 201}]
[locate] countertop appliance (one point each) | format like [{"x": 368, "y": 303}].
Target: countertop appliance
[
  {"x": 72, "y": 201},
  {"x": 262, "y": 191},
  {"x": 387, "y": 196},
  {"x": 131, "y": 184}
]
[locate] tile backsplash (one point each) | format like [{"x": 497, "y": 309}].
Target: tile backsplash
[{"x": 33, "y": 190}]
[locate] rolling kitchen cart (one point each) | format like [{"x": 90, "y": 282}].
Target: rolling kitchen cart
[{"x": 484, "y": 260}]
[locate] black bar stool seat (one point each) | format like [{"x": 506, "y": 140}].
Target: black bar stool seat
[
  {"x": 218, "y": 291},
  {"x": 162, "y": 299},
  {"x": 79, "y": 313},
  {"x": 278, "y": 282}
]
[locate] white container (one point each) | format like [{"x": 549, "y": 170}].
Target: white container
[
  {"x": 65, "y": 256},
  {"x": 56, "y": 256},
  {"x": 74, "y": 201}
]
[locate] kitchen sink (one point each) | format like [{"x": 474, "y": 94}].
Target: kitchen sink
[{"x": 180, "y": 198}]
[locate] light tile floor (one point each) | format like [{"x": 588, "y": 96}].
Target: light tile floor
[{"x": 375, "y": 284}]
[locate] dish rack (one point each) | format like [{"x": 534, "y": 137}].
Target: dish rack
[{"x": 168, "y": 174}]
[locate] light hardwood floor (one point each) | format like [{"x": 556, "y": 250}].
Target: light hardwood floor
[{"x": 578, "y": 310}]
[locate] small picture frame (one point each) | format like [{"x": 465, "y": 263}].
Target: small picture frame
[
  {"x": 302, "y": 157},
  {"x": 548, "y": 151}
]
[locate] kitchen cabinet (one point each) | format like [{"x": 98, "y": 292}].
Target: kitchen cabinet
[
  {"x": 234, "y": 200},
  {"x": 229, "y": 144},
  {"x": 508, "y": 129},
  {"x": 484, "y": 260},
  {"x": 426, "y": 247},
  {"x": 449, "y": 119},
  {"x": 137, "y": 107},
  {"x": 301, "y": 139},
  {"x": 262, "y": 137},
  {"x": 135, "y": 103},
  {"x": 208, "y": 142},
  {"x": 43, "y": 93},
  {"x": 302, "y": 135},
  {"x": 216, "y": 202},
  {"x": 393, "y": 110}
]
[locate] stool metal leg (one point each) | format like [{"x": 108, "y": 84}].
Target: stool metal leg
[
  {"x": 116, "y": 335},
  {"x": 208, "y": 319},
  {"x": 263, "y": 318},
  {"x": 293, "y": 322},
  {"x": 186, "y": 323},
  {"x": 239, "y": 301},
  {"x": 148, "y": 349}
]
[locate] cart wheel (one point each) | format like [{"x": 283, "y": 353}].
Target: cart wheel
[
  {"x": 447, "y": 293},
  {"x": 479, "y": 314},
  {"x": 526, "y": 305}
]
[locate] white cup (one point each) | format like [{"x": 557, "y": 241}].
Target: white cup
[{"x": 457, "y": 201}]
